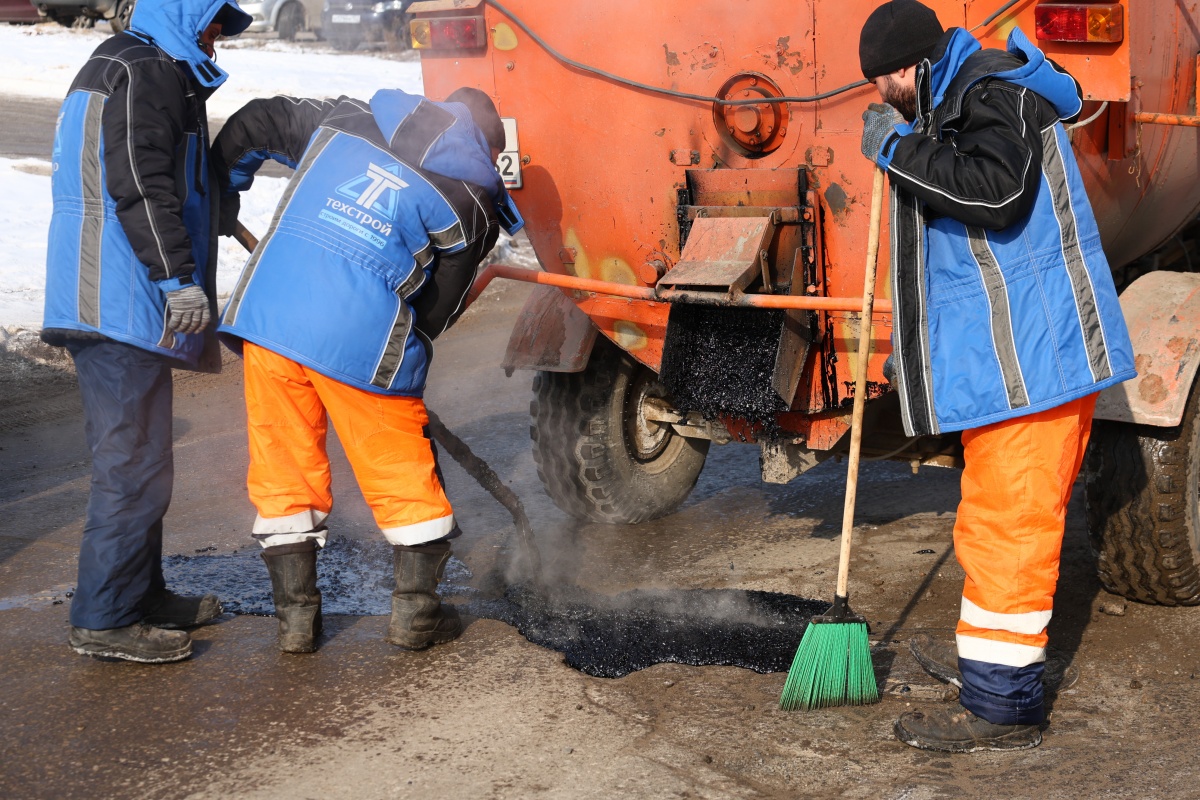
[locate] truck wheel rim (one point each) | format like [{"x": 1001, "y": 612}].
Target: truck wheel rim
[{"x": 647, "y": 439}]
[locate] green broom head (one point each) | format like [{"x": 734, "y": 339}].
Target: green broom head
[{"x": 833, "y": 663}]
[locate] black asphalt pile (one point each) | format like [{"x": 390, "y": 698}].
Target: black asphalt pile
[
  {"x": 720, "y": 361},
  {"x": 610, "y": 636}
]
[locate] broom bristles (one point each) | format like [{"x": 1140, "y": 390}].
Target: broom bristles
[{"x": 832, "y": 668}]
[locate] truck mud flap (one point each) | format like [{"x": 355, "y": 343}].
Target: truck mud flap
[
  {"x": 551, "y": 334},
  {"x": 1162, "y": 312}
]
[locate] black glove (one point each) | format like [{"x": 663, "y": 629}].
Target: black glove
[
  {"x": 187, "y": 310},
  {"x": 879, "y": 123},
  {"x": 230, "y": 206}
]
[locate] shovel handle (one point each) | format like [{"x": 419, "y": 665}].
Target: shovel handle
[
  {"x": 244, "y": 237},
  {"x": 860, "y": 382}
]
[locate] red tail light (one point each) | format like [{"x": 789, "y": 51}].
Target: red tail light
[
  {"x": 1077, "y": 22},
  {"x": 448, "y": 33}
]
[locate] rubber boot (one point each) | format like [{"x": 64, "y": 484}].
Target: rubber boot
[
  {"x": 419, "y": 619},
  {"x": 293, "y": 570}
]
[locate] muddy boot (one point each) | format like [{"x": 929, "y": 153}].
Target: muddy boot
[
  {"x": 137, "y": 642},
  {"x": 940, "y": 659},
  {"x": 954, "y": 729},
  {"x": 293, "y": 570},
  {"x": 419, "y": 619},
  {"x": 168, "y": 610}
]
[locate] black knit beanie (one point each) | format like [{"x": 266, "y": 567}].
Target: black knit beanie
[{"x": 897, "y": 34}]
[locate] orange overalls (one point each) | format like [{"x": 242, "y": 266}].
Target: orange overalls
[
  {"x": 385, "y": 442},
  {"x": 1008, "y": 536}
]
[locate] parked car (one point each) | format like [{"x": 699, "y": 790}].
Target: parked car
[
  {"x": 285, "y": 17},
  {"x": 19, "y": 11},
  {"x": 349, "y": 23},
  {"x": 86, "y": 12}
]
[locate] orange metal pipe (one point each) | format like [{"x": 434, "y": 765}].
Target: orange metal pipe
[
  {"x": 494, "y": 271},
  {"x": 1154, "y": 118}
]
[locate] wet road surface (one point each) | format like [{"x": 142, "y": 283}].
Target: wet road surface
[{"x": 495, "y": 715}]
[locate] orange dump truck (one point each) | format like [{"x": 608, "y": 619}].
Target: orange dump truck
[{"x": 691, "y": 179}]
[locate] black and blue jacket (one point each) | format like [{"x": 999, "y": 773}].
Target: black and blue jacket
[
  {"x": 1003, "y": 299},
  {"x": 134, "y": 216}
]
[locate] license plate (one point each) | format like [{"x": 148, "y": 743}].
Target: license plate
[
  {"x": 509, "y": 162},
  {"x": 352, "y": 19}
]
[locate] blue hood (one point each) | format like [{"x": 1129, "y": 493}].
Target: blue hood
[
  {"x": 1039, "y": 75},
  {"x": 175, "y": 26},
  {"x": 1036, "y": 73},
  {"x": 460, "y": 152}
]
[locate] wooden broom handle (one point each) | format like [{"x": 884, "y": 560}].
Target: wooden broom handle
[{"x": 860, "y": 381}]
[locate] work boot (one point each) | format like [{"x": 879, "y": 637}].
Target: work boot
[
  {"x": 419, "y": 618},
  {"x": 940, "y": 660},
  {"x": 168, "y": 610},
  {"x": 293, "y": 570},
  {"x": 954, "y": 729},
  {"x": 137, "y": 642}
]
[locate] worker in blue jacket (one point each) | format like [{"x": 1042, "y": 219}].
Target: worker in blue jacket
[
  {"x": 1006, "y": 327},
  {"x": 393, "y": 205},
  {"x": 130, "y": 288}
]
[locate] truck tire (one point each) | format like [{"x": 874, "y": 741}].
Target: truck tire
[
  {"x": 1142, "y": 492},
  {"x": 598, "y": 458}
]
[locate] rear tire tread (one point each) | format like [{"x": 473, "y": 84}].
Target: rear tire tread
[{"x": 1139, "y": 512}]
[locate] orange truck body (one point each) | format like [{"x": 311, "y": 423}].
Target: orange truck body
[{"x": 602, "y": 164}]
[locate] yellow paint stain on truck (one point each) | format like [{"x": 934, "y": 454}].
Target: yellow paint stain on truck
[
  {"x": 629, "y": 336},
  {"x": 504, "y": 37}
]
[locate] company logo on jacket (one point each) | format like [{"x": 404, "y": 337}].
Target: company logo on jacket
[
  {"x": 377, "y": 180},
  {"x": 378, "y": 191}
]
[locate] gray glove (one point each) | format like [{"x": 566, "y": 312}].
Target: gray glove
[
  {"x": 879, "y": 122},
  {"x": 187, "y": 310}
]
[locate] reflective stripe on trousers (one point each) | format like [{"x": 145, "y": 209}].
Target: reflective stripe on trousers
[
  {"x": 1008, "y": 536},
  {"x": 383, "y": 436}
]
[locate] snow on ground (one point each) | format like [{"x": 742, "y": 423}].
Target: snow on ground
[{"x": 42, "y": 60}]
